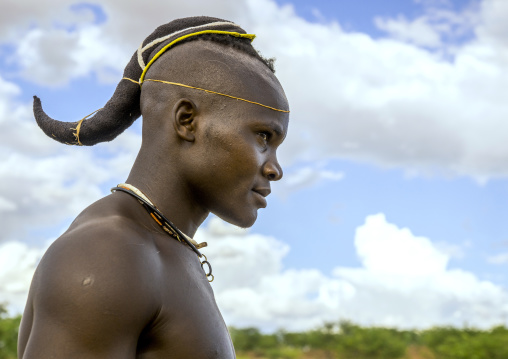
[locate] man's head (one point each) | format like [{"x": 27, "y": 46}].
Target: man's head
[
  {"x": 124, "y": 106},
  {"x": 224, "y": 149},
  {"x": 214, "y": 114},
  {"x": 206, "y": 68}
]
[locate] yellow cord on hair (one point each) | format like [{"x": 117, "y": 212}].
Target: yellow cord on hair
[
  {"x": 78, "y": 127},
  {"x": 131, "y": 80},
  {"x": 210, "y": 91},
  {"x": 161, "y": 51}
]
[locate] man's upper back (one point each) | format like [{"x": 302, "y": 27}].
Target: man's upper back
[{"x": 111, "y": 287}]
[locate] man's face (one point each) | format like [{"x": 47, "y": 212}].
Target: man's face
[
  {"x": 230, "y": 161},
  {"x": 236, "y": 159}
]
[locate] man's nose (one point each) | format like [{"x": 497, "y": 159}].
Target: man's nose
[{"x": 272, "y": 169}]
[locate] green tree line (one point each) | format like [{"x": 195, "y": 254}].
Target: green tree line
[
  {"x": 8, "y": 334},
  {"x": 345, "y": 340},
  {"x": 341, "y": 340}
]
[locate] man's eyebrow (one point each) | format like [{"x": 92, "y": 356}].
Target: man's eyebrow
[{"x": 277, "y": 128}]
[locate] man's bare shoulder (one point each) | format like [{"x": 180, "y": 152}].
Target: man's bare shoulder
[
  {"x": 95, "y": 288},
  {"x": 99, "y": 253}
]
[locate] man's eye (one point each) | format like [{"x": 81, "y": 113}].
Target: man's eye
[{"x": 265, "y": 136}]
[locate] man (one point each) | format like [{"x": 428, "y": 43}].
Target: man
[{"x": 126, "y": 280}]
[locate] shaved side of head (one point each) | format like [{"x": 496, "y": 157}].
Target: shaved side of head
[{"x": 212, "y": 66}]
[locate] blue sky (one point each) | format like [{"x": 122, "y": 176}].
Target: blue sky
[
  {"x": 451, "y": 209},
  {"x": 396, "y": 138},
  {"x": 354, "y": 16},
  {"x": 456, "y": 211}
]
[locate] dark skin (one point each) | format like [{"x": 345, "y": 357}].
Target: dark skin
[{"x": 115, "y": 285}]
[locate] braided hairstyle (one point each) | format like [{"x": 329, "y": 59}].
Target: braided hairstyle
[{"x": 124, "y": 106}]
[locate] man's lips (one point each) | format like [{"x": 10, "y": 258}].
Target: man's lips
[
  {"x": 265, "y": 191},
  {"x": 261, "y": 193}
]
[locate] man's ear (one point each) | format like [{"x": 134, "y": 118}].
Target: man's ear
[{"x": 184, "y": 115}]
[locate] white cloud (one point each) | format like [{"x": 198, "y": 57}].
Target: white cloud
[
  {"x": 304, "y": 177},
  {"x": 493, "y": 28},
  {"x": 234, "y": 245},
  {"x": 17, "y": 265},
  {"x": 44, "y": 182},
  {"x": 53, "y": 48},
  {"x": 252, "y": 288},
  {"x": 455, "y": 251},
  {"x": 7, "y": 205},
  {"x": 438, "y": 27},
  {"x": 384, "y": 249},
  {"x": 54, "y": 57},
  {"x": 67, "y": 44},
  {"x": 18, "y": 15},
  {"x": 404, "y": 281},
  {"x": 500, "y": 258},
  {"x": 418, "y": 31}
]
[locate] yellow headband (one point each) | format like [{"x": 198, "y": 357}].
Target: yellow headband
[
  {"x": 161, "y": 51},
  {"x": 209, "y": 91}
]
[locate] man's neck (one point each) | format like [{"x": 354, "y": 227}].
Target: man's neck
[{"x": 170, "y": 196}]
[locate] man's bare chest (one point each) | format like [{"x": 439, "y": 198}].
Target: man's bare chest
[{"x": 189, "y": 323}]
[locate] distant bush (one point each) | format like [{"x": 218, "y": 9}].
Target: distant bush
[
  {"x": 345, "y": 340},
  {"x": 453, "y": 343},
  {"x": 340, "y": 340},
  {"x": 355, "y": 342},
  {"x": 8, "y": 335}
]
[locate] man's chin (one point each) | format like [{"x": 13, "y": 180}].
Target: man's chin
[{"x": 245, "y": 221}]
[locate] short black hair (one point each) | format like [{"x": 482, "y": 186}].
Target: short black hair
[{"x": 242, "y": 44}]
